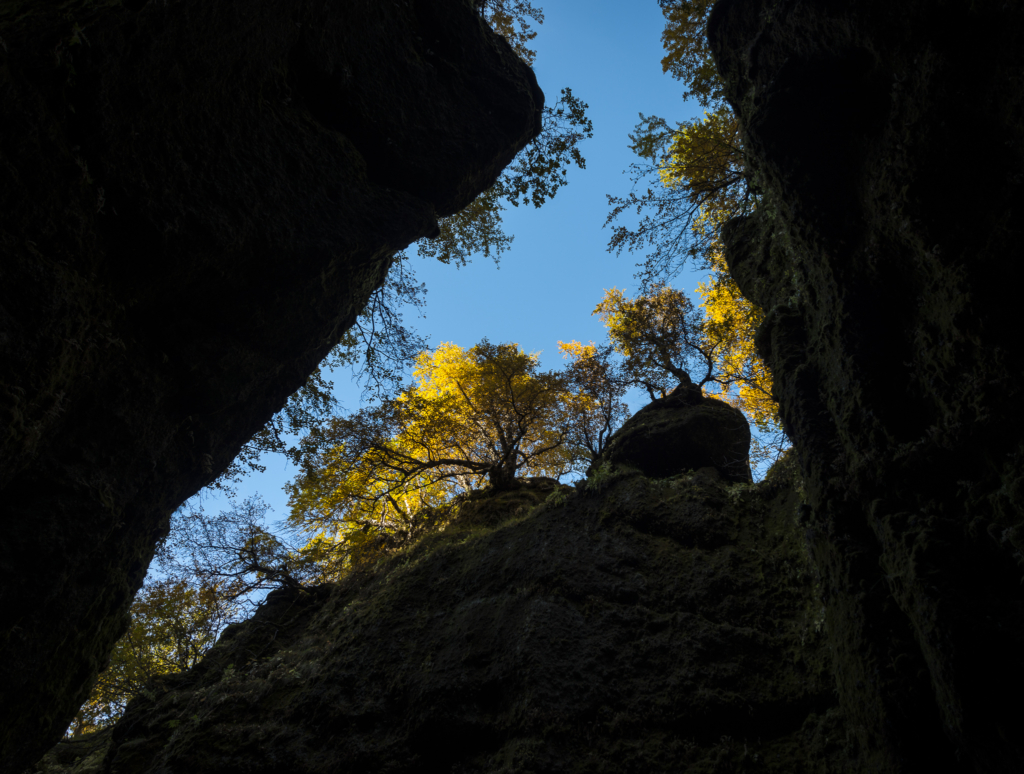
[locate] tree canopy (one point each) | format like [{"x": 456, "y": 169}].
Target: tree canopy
[
  {"x": 204, "y": 577},
  {"x": 662, "y": 339},
  {"x": 486, "y": 414},
  {"x": 687, "y": 54},
  {"x": 173, "y": 624},
  {"x": 596, "y": 384}
]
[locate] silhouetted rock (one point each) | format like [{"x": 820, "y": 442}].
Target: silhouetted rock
[
  {"x": 196, "y": 200},
  {"x": 684, "y": 431},
  {"x": 887, "y": 144}
]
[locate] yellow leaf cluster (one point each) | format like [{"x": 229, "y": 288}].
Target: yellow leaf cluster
[
  {"x": 687, "y": 55},
  {"x": 734, "y": 321},
  {"x": 660, "y": 337},
  {"x": 173, "y": 623},
  {"x": 594, "y": 398},
  {"x": 485, "y": 413}
]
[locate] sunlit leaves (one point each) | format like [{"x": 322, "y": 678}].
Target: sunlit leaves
[
  {"x": 173, "y": 624},
  {"x": 687, "y": 55},
  {"x": 700, "y": 177},
  {"x": 705, "y": 158},
  {"x": 697, "y": 180},
  {"x": 661, "y": 337},
  {"x": 511, "y": 20},
  {"x": 372, "y": 480},
  {"x": 733, "y": 321},
  {"x": 597, "y": 384}
]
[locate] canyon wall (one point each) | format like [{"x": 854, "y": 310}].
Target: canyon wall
[
  {"x": 196, "y": 200},
  {"x": 887, "y": 143}
]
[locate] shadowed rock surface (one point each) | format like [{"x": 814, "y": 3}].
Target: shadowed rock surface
[
  {"x": 672, "y": 624},
  {"x": 637, "y": 625},
  {"x": 684, "y": 431},
  {"x": 196, "y": 199},
  {"x": 888, "y": 142}
]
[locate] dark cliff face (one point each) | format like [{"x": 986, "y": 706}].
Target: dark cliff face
[
  {"x": 196, "y": 199},
  {"x": 635, "y": 625},
  {"x": 888, "y": 141}
]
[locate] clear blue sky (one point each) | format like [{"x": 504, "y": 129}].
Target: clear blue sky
[{"x": 609, "y": 53}]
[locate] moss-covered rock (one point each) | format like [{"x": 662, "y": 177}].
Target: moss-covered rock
[
  {"x": 887, "y": 140},
  {"x": 197, "y": 199},
  {"x": 652, "y": 626}
]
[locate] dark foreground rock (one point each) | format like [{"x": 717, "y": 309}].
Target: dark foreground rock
[
  {"x": 638, "y": 625},
  {"x": 888, "y": 142},
  {"x": 196, "y": 199},
  {"x": 684, "y": 431}
]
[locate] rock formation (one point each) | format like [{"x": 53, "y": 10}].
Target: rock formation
[
  {"x": 196, "y": 199},
  {"x": 864, "y": 612},
  {"x": 887, "y": 142},
  {"x": 637, "y": 624},
  {"x": 684, "y": 431}
]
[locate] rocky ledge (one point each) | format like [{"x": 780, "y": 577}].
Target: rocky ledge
[
  {"x": 887, "y": 143},
  {"x": 635, "y": 624}
]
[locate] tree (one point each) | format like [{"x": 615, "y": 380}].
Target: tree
[
  {"x": 699, "y": 162},
  {"x": 662, "y": 339},
  {"x": 510, "y": 19},
  {"x": 232, "y": 551},
  {"x": 596, "y": 385},
  {"x": 173, "y": 624},
  {"x": 483, "y": 414},
  {"x": 687, "y": 54},
  {"x": 702, "y": 183},
  {"x": 207, "y": 571}
]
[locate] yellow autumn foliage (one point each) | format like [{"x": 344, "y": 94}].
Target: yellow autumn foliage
[
  {"x": 372, "y": 481},
  {"x": 661, "y": 338},
  {"x": 173, "y": 624},
  {"x": 705, "y": 157}
]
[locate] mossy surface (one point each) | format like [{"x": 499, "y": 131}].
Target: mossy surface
[
  {"x": 881, "y": 252},
  {"x": 197, "y": 199},
  {"x": 652, "y": 626}
]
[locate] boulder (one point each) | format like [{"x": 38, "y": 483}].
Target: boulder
[{"x": 684, "y": 431}]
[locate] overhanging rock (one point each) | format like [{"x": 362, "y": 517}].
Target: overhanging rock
[{"x": 197, "y": 199}]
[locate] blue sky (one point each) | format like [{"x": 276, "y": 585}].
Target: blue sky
[{"x": 609, "y": 53}]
